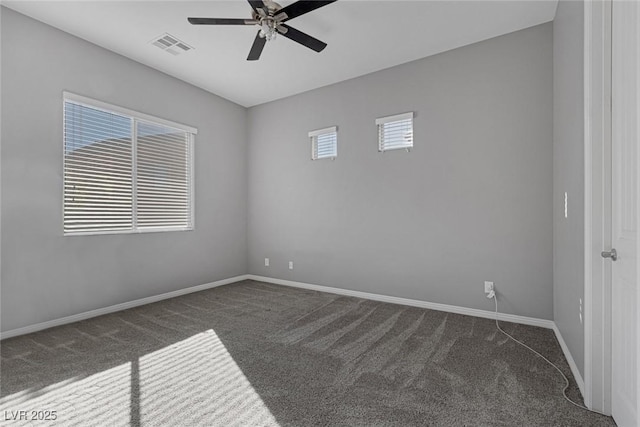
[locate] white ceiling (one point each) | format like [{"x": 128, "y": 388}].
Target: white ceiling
[{"x": 362, "y": 37}]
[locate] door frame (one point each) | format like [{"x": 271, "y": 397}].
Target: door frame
[
  {"x": 598, "y": 202},
  {"x": 597, "y": 209}
]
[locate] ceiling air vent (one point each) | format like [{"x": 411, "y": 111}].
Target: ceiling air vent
[{"x": 171, "y": 44}]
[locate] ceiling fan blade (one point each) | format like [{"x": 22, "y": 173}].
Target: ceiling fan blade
[
  {"x": 221, "y": 21},
  {"x": 256, "y": 4},
  {"x": 302, "y": 38},
  {"x": 303, "y": 6},
  {"x": 256, "y": 48}
]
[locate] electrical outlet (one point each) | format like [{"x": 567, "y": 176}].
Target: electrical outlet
[
  {"x": 290, "y": 265},
  {"x": 488, "y": 287},
  {"x": 266, "y": 262},
  {"x": 581, "y": 311}
]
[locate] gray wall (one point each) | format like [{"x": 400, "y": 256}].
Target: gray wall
[
  {"x": 568, "y": 174},
  {"x": 47, "y": 276},
  {"x": 471, "y": 202}
]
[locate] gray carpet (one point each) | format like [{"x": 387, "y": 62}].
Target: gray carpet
[{"x": 258, "y": 354}]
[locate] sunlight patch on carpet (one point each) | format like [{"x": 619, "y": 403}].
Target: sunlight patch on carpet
[
  {"x": 192, "y": 382},
  {"x": 198, "y": 377},
  {"x": 96, "y": 400}
]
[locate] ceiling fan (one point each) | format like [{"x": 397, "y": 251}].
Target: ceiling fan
[{"x": 271, "y": 18}]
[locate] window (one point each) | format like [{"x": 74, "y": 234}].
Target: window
[
  {"x": 124, "y": 171},
  {"x": 395, "y": 132},
  {"x": 324, "y": 143}
]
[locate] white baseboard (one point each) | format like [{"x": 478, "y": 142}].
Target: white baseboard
[
  {"x": 572, "y": 363},
  {"x": 118, "y": 307},
  {"x": 543, "y": 323}
]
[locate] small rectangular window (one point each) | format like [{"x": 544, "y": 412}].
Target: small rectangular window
[
  {"x": 395, "y": 132},
  {"x": 324, "y": 143},
  {"x": 124, "y": 171}
]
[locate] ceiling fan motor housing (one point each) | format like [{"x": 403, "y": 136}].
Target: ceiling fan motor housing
[{"x": 268, "y": 20}]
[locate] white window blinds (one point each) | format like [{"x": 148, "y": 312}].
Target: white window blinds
[
  {"x": 395, "y": 132},
  {"x": 123, "y": 173},
  {"x": 324, "y": 143},
  {"x": 98, "y": 166},
  {"x": 163, "y": 177}
]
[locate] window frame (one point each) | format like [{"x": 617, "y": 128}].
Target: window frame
[
  {"x": 313, "y": 136},
  {"x": 390, "y": 119},
  {"x": 135, "y": 117}
]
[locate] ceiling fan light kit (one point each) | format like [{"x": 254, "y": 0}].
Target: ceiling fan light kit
[{"x": 271, "y": 18}]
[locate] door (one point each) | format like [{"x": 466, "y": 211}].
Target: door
[{"x": 625, "y": 295}]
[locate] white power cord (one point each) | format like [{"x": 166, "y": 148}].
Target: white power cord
[{"x": 492, "y": 294}]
